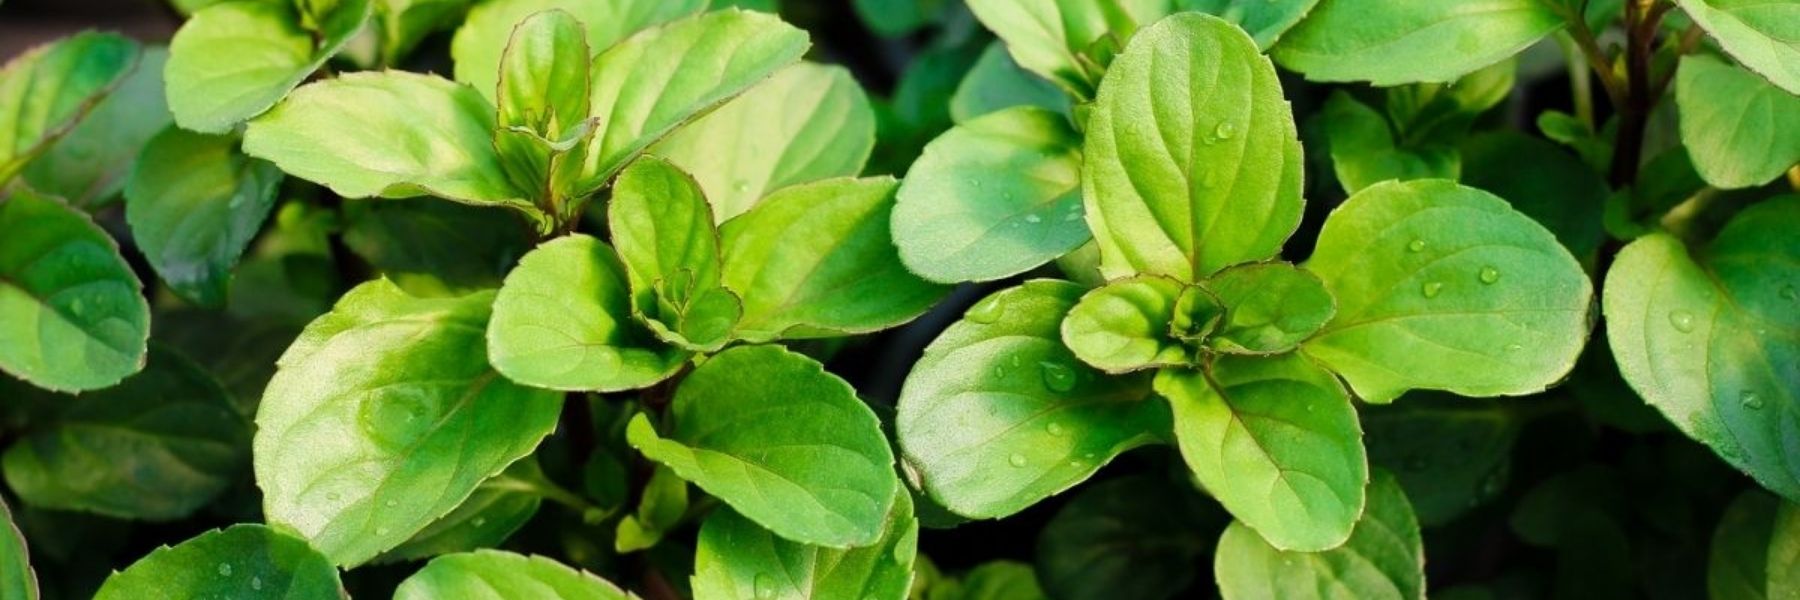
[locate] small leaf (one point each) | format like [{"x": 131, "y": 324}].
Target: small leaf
[
  {"x": 504, "y": 576},
  {"x": 737, "y": 559},
  {"x": 1450, "y": 453},
  {"x": 1383, "y": 560},
  {"x": 663, "y": 229},
  {"x": 72, "y": 317},
  {"x": 497, "y": 509},
  {"x": 1560, "y": 193},
  {"x": 89, "y": 165},
  {"x": 781, "y": 441},
  {"x": 1445, "y": 287},
  {"x": 1049, "y": 37},
  {"x": 1363, "y": 151},
  {"x": 543, "y": 94},
  {"x": 384, "y": 416},
  {"x": 194, "y": 202},
  {"x": 1758, "y": 34},
  {"x": 1132, "y": 537},
  {"x": 998, "y": 414},
  {"x": 1192, "y": 160},
  {"x": 992, "y": 198},
  {"x": 48, "y": 89},
  {"x": 1391, "y": 42},
  {"x": 1739, "y": 130},
  {"x": 1126, "y": 326},
  {"x": 663, "y": 503},
  {"x": 1276, "y": 441},
  {"x": 1269, "y": 308},
  {"x": 17, "y": 580},
  {"x": 402, "y": 24},
  {"x": 1435, "y": 113},
  {"x": 252, "y": 562},
  {"x": 233, "y": 60},
  {"x": 996, "y": 83},
  {"x": 482, "y": 38},
  {"x": 1265, "y": 20}
]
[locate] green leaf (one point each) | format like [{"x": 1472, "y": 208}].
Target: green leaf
[
  {"x": 1132, "y": 537},
  {"x": 1759, "y": 34},
  {"x": 994, "y": 580},
  {"x": 1276, "y": 441},
  {"x": 504, "y": 576},
  {"x": 806, "y": 123},
  {"x": 1450, "y": 453},
  {"x": 1738, "y": 567},
  {"x": 194, "y": 203},
  {"x": 384, "y": 416},
  {"x": 998, "y": 414},
  {"x": 664, "y": 232},
  {"x": 245, "y": 561},
  {"x": 996, "y": 83},
  {"x": 1126, "y": 326},
  {"x": 817, "y": 260},
  {"x": 402, "y": 24},
  {"x": 431, "y": 247},
  {"x": 1363, "y": 150},
  {"x": 696, "y": 63},
  {"x": 992, "y": 198},
  {"x": 1193, "y": 162},
  {"x": 1049, "y": 37},
  {"x": 1739, "y": 130},
  {"x": 482, "y": 38},
  {"x": 1265, "y": 20},
  {"x": 89, "y": 165},
  {"x": 783, "y": 442},
  {"x": 71, "y": 314},
  {"x": 896, "y": 18},
  {"x": 563, "y": 321},
  {"x": 1383, "y": 559},
  {"x": 663, "y": 503},
  {"x": 47, "y": 90},
  {"x": 1559, "y": 192},
  {"x": 739, "y": 560},
  {"x": 17, "y": 581},
  {"x": 543, "y": 99},
  {"x": 1446, "y": 287},
  {"x": 1269, "y": 308},
  {"x": 233, "y": 60},
  {"x": 497, "y": 509},
  {"x": 1710, "y": 337},
  {"x": 1426, "y": 113},
  {"x": 1390, "y": 42}
]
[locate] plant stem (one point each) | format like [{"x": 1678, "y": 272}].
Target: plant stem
[
  {"x": 1581, "y": 84},
  {"x": 1642, "y": 17}
]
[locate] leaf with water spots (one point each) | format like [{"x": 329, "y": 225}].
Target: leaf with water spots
[
  {"x": 249, "y": 562},
  {"x": 504, "y": 576},
  {"x": 1384, "y": 559},
  {"x": 738, "y": 560}
]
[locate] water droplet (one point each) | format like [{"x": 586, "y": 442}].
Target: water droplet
[
  {"x": 256, "y": 583},
  {"x": 333, "y": 496},
  {"x": 1033, "y": 218},
  {"x": 1225, "y": 130},
  {"x": 1432, "y": 288},
  {"x": 1494, "y": 482},
  {"x": 1017, "y": 460},
  {"x": 975, "y": 183},
  {"x": 741, "y": 186},
  {"x": 1489, "y": 274},
  {"x": 900, "y": 554},
  {"x": 478, "y": 521},
  {"x": 1058, "y": 377},
  {"x": 1016, "y": 360},
  {"x": 381, "y": 531},
  {"x": 1416, "y": 246},
  {"x": 224, "y": 569},
  {"x": 999, "y": 372},
  {"x": 1751, "y": 400},
  {"x": 1682, "y": 320},
  {"x": 1514, "y": 347},
  {"x": 77, "y": 306},
  {"x": 765, "y": 586},
  {"x": 987, "y": 311},
  {"x": 1790, "y": 292},
  {"x": 1210, "y": 180},
  {"x": 393, "y": 503},
  {"x": 1055, "y": 429},
  {"x": 1089, "y": 456}
]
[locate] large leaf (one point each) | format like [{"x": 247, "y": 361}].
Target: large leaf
[
  {"x": 504, "y": 576},
  {"x": 998, "y": 414},
  {"x": 17, "y": 580},
  {"x": 1276, "y": 441},
  {"x": 251, "y": 562},
  {"x": 739, "y": 560},
  {"x": 807, "y": 122},
  {"x": 88, "y": 166},
  {"x": 71, "y": 315},
  {"x": 194, "y": 202},
  {"x": 1127, "y": 325},
  {"x": 1364, "y": 151},
  {"x": 481, "y": 39},
  {"x": 663, "y": 229},
  {"x": 1266, "y": 20},
  {"x": 1192, "y": 160},
  {"x": 1711, "y": 337},
  {"x": 996, "y": 83},
  {"x": 1383, "y": 560},
  {"x": 783, "y": 442},
  {"x": 45, "y": 92},
  {"x": 818, "y": 260},
  {"x": 1445, "y": 287},
  {"x": 1761, "y": 34},
  {"x": 993, "y": 197},
  {"x": 1739, "y": 130},
  {"x": 233, "y": 60},
  {"x": 1050, "y": 37},
  {"x": 1133, "y": 537},
  {"x": 563, "y": 321},
  {"x": 1390, "y": 42},
  {"x": 384, "y": 416}
]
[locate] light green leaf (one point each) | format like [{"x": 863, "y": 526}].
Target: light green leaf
[
  {"x": 1276, "y": 441},
  {"x": 563, "y": 321},
  {"x": 1711, "y": 338},
  {"x": 1383, "y": 560},
  {"x": 1739, "y": 130},
  {"x": 481, "y": 39},
  {"x": 17, "y": 581},
  {"x": 663, "y": 229},
  {"x": 384, "y": 416},
  {"x": 1446, "y": 287},
  {"x": 817, "y": 260},
  {"x": 434, "y": 248},
  {"x": 543, "y": 99},
  {"x": 1761, "y": 34},
  {"x": 1269, "y": 308},
  {"x": 783, "y": 442},
  {"x": 194, "y": 203},
  {"x": 1127, "y": 325},
  {"x": 504, "y": 576},
  {"x": 247, "y": 561},
  {"x": 1560, "y": 192},
  {"x": 46, "y": 91},
  {"x": 807, "y": 122},
  {"x": 992, "y": 198},
  {"x": 696, "y": 64},
  {"x": 402, "y": 24},
  {"x": 1450, "y": 453},
  {"x": 1132, "y": 537},
  {"x": 998, "y": 414},
  {"x": 739, "y": 560},
  {"x": 996, "y": 83},
  {"x": 89, "y": 165},
  {"x": 72, "y": 316},
  {"x": 1193, "y": 163},
  {"x": 1049, "y": 37},
  {"x": 497, "y": 509},
  {"x": 1364, "y": 153},
  {"x": 661, "y": 506},
  {"x": 1390, "y": 42},
  {"x": 1266, "y": 20},
  {"x": 233, "y": 60}
]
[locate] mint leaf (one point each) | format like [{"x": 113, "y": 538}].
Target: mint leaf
[
  {"x": 1264, "y": 20},
  {"x": 1269, "y": 308},
  {"x": 504, "y": 576},
  {"x": 434, "y": 248},
  {"x": 663, "y": 229},
  {"x": 1757, "y": 34},
  {"x": 1562, "y": 194},
  {"x": 1748, "y": 558},
  {"x": 403, "y": 24},
  {"x": 482, "y": 38},
  {"x": 17, "y": 580},
  {"x": 48, "y": 89},
  {"x": 1050, "y": 37},
  {"x": 194, "y": 202},
  {"x": 1383, "y": 558},
  {"x": 1451, "y": 454},
  {"x": 1739, "y": 130},
  {"x": 737, "y": 558},
  {"x": 233, "y": 60},
  {"x": 497, "y": 509},
  {"x": 252, "y": 562},
  {"x": 1434, "y": 113},
  {"x": 89, "y": 165},
  {"x": 543, "y": 99},
  {"x": 1125, "y": 326},
  {"x": 1406, "y": 41},
  {"x": 1364, "y": 151},
  {"x": 1131, "y": 537},
  {"x": 996, "y": 83}
]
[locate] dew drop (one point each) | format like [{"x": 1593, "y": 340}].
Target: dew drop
[
  {"x": 987, "y": 311},
  {"x": 1494, "y": 482},
  {"x": 1017, "y": 460},
  {"x": 393, "y": 503},
  {"x": 1682, "y": 320},
  {"x": 77, "y": 306},
  {"x": 974, "y": 183},
  {"x": 333, "y": 496},
  {"x": 1058, "y": 377},
  {"x": 1490, "y": 275},
  {"x": 1016, "y": 360},
  {"x": 381, "y": 531},
  {"x": 1751, "y": 400},
  {"x": 1514, "y": 347},
  {"x": 999, "y": 372},
  {"x": 765, "y": 586},
  {"x": 900, "y": 555},
  {"x": 1432, "y": 288},
  {"x": 478, "y": 521},
  {"x": 256, "y": 583},
  {"x": 1416, "y": 246},
  {"x": 224, "y": 569},
  {"x": 1225, "y": 131},
  {"x": 1055, "y": 429},
  {"x": 1033, "y": 218},
  {"x": 741, "y": 186}
]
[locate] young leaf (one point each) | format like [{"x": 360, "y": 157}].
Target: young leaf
[
  {"x": 88, "y": 166},
  {"x": 1758, "y": 34},
  {"x": 1427, "y": 113},
  {"x": 233, "y": 60},
  {"x": 71, "y": 314},
  {"x": 783, "y": 442},
  {"x": 17, "y": 580},
  {"x": 1709, "y": 337},
  {"x": 1561, "y": 193},
  {"x": 661, "y": 506},
  {"x": 1364, "y": 153},
  {"x": 543, "y": 99},
  {"x": 1269, "y": 308},
  {"x": 504, "y": 576},
  {"x": 194, "y": 203},
  {"x": 46, "y": 91},
  {"x": 996, "y": 83},
  {"x": 384, "y": 416},
  {"x": 806, "y": 123},
  {"x": 1132, "y": 537},
  {"x": 1449, "y": 453},
  {"x": 739, "y": 560},
  {"x": 817, "y": 260},
  {"x": 482, "y": 38},
  {"x": 247, "y": 561},
  {"x": 998, "y": 414},
  {"x": 664, "y": 232},
  {"x": 1265, "y": 20},
  {"x": 1383, "y": 560},
  {"x": 1276, "y": 441},
  {"x": 497, "y": 509},
  {"x": 563, "y": 321},
  {"x": 992, "y": 198},
  {"x": 1739, "y": 130},
  {"x": 1126, "y": 326},
  {"x": 1049, "y": 37},
  {"x": 1390, "y": 42},
  {"x": 402, "y": 24},
  {"x": 1445, "y": 287},
  {"x": 1192, "y": 160}
]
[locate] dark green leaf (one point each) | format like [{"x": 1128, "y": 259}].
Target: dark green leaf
[
  {"x": 431, "y": 247},
  {"x": 251, "y": 562},
  {"x": 402, "y": 24},
  {"x": 1541, "y": 180},
  {"x": 1134, "y": 537},
  {"x": 1265, "y": 20},
  {"x": 1449, "y": 453},
  {"x": 17, "y": 580},
  {"x": 996, "y": 83},
  {"x": 194, "y": 202},
  {"x": 1738, "y": 566}
]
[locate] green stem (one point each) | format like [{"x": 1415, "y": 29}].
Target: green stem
[{"x": 1581, "y": 84}]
